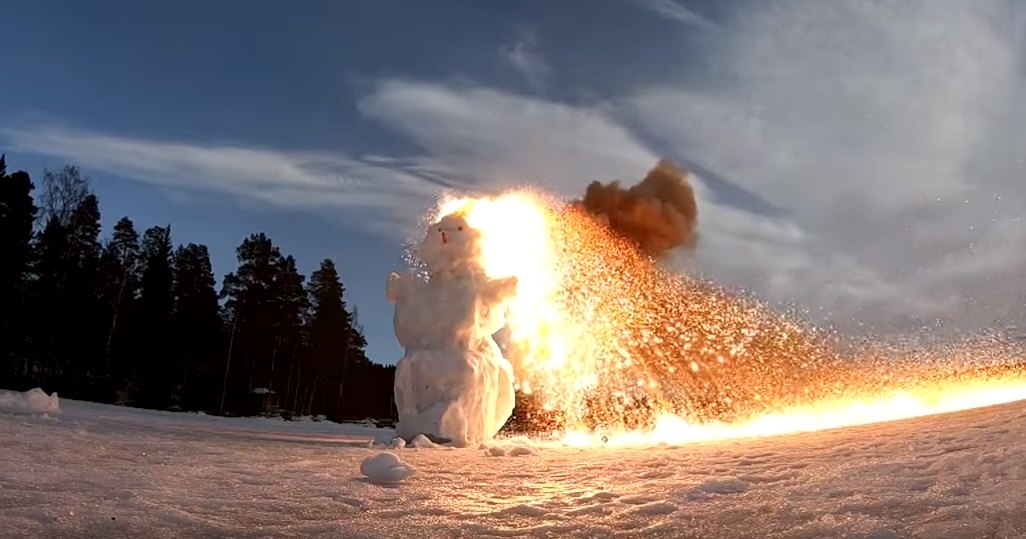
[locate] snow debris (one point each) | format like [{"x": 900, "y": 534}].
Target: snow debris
[
  {"x": 423, "y": 442},
  {"x": 509, "y": 447},
  {"x": 33, "y": 401},
  {"x": 500, "y": 451},
  {"x": 520, "y": 451},
  {"x": 386, "y": 468},
  {"x": 391, "y": 441}
]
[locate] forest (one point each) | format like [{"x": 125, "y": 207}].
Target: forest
[{"x": 130, "y": 318}]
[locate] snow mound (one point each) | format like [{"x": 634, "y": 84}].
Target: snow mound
[
  {"x": 516, "y": 446},
  {"x": 391, "y": 441},
  {"x": 423, "y": 442},
  {"x": 510, "y": 451},
  {"x": 33, "y": 401},
  {"x": 386, "y": 468}
]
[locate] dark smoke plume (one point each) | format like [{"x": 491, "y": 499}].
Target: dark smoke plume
[{"x": 658, "y": 214}]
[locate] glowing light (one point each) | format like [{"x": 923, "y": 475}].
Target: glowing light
[
  {"x": 939, "y": 399},
  {"x": 610, "y": 346}
]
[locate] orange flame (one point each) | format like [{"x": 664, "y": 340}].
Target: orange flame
[{"x": 613, "y": 347}]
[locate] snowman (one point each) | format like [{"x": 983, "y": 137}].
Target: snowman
[{"x": 453, "y": 385}]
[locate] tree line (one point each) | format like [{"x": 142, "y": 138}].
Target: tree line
[{"x": 131, "y": 318}]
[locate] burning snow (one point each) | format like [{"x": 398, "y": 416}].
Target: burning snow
[{"x": 610, "y": 347}]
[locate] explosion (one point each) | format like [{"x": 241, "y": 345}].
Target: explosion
[
  {"x": 607, "y": 344},
  {"x": 658, "y": 214}
]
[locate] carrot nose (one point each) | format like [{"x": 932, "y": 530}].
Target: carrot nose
[{"x": 444, "y": 239}]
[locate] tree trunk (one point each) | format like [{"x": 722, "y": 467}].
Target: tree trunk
[
  {"x": 313, "y": 392},
  {"x": 228, "y": 363},
  {"x": 299, "y": 380},
  {"x": 342, "y": 381},
  {"x": 185, "y": 377},
  {"x": 117, "y": 309}
]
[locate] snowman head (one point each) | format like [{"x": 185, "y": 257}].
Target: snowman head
[{"x": 451, "y": 245}]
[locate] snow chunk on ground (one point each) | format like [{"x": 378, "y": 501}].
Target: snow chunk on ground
[
  {"x": 509, "y": 447},
  {"x": 423, "y": 442},
  {"x": 33, "y": 401},
  {"x": 388, "y": 441},
  {"x": 515, "y": 451},
  {"x": 386, "y": 468}
]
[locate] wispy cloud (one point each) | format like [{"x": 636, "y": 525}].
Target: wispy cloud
[
  {"x": 489, "y": 138},
  {"x": 674, "y": 11},
  {"x": 493, "y": 139},
  {"x": 524, "y": 54},
  {"x": 883, "y": 131},
  {"x": 289, "y": 179}
]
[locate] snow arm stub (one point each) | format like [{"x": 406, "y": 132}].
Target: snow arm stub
[
  {"x": 500, "y": 290},
  {"x": 396, "y": 286}
]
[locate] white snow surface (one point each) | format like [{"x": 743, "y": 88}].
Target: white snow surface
[
  {"x": 109, "y": 471},
  {"x": 33, "y": 401}
]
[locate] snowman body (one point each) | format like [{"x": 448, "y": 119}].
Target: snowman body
[{"x": 452, "y": 384}]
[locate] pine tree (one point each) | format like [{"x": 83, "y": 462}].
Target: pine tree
[
  {"x": 197, "y": 328},
  {"x": 17, "y": 213},
  {"x": 293, "y": 306},
  {"x": 87, "y": 319},
  {"x": 156, "y": 367},
  {"x": 84, "y": 232},
  {"x": 49, "y": 266},
  {"x": 336, "y": 345},
  {"x": 120, "y": 275},
  {"x": 83, "y": 341},
  {"x": 264, "y": 307},
  {"x": 248, "y": 291}
]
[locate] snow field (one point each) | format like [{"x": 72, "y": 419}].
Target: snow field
[{"x": 105, "y": 471}]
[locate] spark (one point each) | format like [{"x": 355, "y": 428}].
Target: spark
[{"x": 616, "y": 350}]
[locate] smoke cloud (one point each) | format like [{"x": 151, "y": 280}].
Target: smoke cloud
[{"x": 658, "y": 214}]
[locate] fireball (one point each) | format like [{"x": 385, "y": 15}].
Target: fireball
[{"x": 612, "y": 347}]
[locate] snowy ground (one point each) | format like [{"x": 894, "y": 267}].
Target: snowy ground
[{"x": 92, "y": 470}]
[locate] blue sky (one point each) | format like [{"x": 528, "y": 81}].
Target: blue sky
[{"x": 834, "y": 146}]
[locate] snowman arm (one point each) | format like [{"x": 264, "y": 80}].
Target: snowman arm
[
  {"x": 502, "y": 289},
  {"x": 395, "y": 287}
]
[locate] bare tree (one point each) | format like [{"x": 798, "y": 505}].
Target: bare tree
[{"x": 63, "y": 191}]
